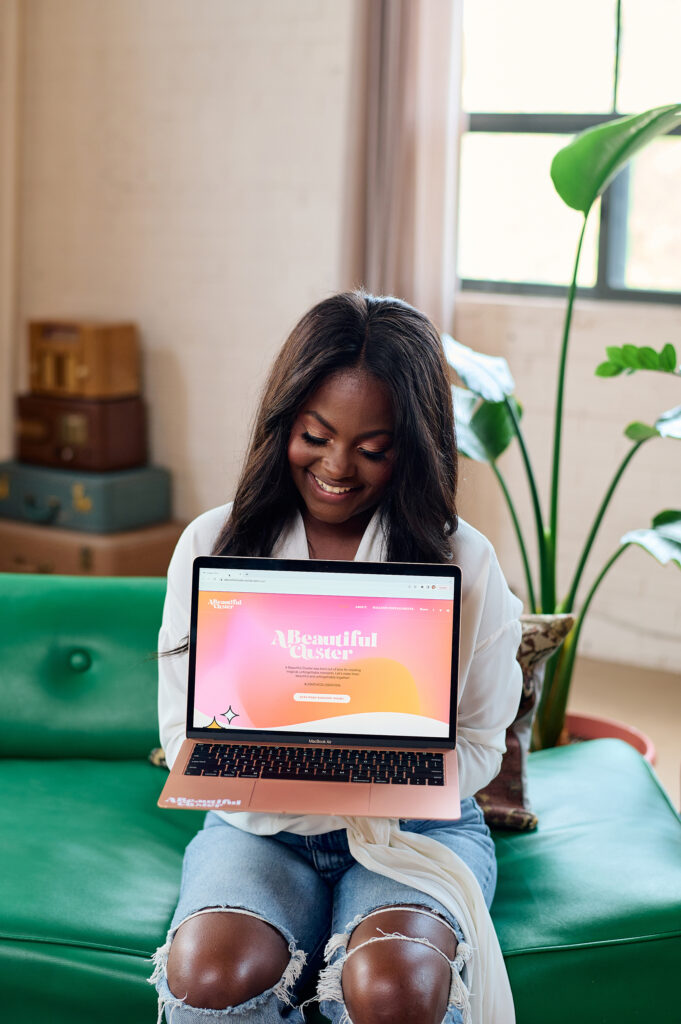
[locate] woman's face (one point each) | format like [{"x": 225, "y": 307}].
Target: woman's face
[{"x": 341, "y": 447}]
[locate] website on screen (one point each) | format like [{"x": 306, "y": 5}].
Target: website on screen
[{"x": 363, "y": 655}]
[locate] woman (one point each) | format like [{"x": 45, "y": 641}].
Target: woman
[{"x": 352, "y": 457}]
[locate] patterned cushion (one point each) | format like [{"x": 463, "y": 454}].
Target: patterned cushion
[
  {"x": 157, "y": 756},
  {"x": 505, "y": 800}
]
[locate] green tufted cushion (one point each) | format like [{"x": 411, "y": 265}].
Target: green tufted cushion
[{"x": 78, "y": 672}]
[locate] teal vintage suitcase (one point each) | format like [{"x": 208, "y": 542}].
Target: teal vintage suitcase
[{"x": 94, "y": 502}]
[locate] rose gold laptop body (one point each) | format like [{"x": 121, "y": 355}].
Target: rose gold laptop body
[{"x": 308, "y": 796}]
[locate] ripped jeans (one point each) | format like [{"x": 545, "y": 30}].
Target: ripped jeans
[{"x": 314, "y": 893}]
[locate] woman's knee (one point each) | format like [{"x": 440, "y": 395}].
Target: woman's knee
[
  {"x": 402, "y": 977},
  {"x": 224, "y": 959}
]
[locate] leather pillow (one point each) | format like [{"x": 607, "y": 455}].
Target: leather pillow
[{"x": 505, "y": 801}]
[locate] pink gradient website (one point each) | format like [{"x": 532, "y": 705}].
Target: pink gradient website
[{"x": 327, "y": 663}]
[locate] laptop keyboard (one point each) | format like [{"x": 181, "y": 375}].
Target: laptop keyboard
[{"x": 243, "y": 761}]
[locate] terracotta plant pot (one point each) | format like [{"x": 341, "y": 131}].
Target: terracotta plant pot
[{"x": 589, "y": 727}]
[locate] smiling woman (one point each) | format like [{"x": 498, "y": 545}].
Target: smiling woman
[{"x": 353, "y": 457}]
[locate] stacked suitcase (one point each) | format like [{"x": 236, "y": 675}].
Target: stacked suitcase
[{"x": 80, "y": 497}]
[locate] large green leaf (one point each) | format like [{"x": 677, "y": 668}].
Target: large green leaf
[
  {"x": 669, "y": 423},
  {"x": 484, "y": 430},
  {"x": 468, "y": 445},
  {"x": 662, "y": 540},
  {"x": 586, "y": 166},
  {"x": 494, "y": 426},
  {"x": 464, "y": 402},
  {"x": 466, "y": 441},
  {"x": 670, "y": 515},
  {"x": 487, "y": 376},
  {"x": 666, "y": 425}
]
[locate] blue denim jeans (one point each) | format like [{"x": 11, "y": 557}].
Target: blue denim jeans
[{"x": 309, "y": 888}]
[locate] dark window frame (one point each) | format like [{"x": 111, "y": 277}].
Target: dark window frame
[{"x": 613, "y": 214}]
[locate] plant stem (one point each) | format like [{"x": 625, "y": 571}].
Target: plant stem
[
  {"x": 519, "y": 536},
  {"x": 569, "y": 601},
  {"x": 594, "y": 587},
  {"x": 538, "y": 728},
  {"x": 539, "y": 522},
  {"x": 558, "y": 423},
  {"x": 554, "y": 699}
]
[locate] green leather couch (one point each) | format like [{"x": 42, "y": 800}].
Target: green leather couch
[{"x": 588, "y": 907}]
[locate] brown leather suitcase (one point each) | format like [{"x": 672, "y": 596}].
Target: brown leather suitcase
[
  {"x": 84, "y": 359},
  {"x": 81, "y": 433},
  {"x": 47, "y": 549}
]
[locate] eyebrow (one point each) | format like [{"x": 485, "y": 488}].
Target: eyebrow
[{"x": 324, "y": 423}]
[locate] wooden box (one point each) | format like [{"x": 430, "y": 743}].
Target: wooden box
[
  {"x": 47, "y": 549},
  {"x": 97, "y": 434},
  {"x": 84, "y": 359}
]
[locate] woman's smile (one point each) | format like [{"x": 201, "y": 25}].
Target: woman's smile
[{"x": 326, "y": 488}]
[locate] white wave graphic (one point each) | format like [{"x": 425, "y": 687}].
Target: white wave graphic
[{"x": 370, "y": 723}]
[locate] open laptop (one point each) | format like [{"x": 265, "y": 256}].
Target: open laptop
[{"x": 321, "y": 687}]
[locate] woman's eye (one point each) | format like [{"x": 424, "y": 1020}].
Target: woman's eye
[
  {"x": 319, "y": 441},
  {"x": 311, "y": 439}
]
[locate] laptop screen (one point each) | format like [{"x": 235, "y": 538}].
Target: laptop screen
[{"x": 314, "y": 652}]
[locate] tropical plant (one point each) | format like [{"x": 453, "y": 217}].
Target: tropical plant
[{"x": 488, "y": 414}]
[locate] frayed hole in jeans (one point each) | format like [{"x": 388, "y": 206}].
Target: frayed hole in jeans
[
  {"x": 167, "y": 1002},
  {"x": 336, "y": 954}
]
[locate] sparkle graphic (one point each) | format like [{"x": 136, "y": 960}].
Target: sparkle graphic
[{"x": 229, "y": 714}]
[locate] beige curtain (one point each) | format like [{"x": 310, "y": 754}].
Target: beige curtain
[
  {"x": 412, "y": 146},
  {"x": 10, "y": 33}
]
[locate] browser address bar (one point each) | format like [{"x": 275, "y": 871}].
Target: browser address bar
[{"x": 417, "y": 588}]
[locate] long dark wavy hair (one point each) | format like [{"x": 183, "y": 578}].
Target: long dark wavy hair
[{"x": 398, "y": 346}]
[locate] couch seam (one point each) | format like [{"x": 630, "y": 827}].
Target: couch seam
[
  {"x": 74, "y": 944},
  {"x": 600, "y": 944}
]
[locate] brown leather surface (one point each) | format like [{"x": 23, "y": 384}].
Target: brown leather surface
[{"x": 81, "y": 433}]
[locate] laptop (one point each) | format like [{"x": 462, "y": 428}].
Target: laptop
[{"x": 321, "y": 687}]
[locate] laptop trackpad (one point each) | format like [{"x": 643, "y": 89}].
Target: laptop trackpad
[{"x": 310, "y": 797}]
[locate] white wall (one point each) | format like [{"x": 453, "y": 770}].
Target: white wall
[
  {"x": 636, "y": 615},
  {"x": 189, "y": 166}
]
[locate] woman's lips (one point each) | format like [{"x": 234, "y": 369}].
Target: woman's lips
[{"x": 329, "y": 491}]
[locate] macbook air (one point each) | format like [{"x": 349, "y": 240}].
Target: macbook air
[{"x": 321, "y": 687}]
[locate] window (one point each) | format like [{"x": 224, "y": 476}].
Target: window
[{"x": 535, "y": 74}]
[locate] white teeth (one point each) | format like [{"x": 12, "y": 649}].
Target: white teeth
[{"x": 330, "y": 489}]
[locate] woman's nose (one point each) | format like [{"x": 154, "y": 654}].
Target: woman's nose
[{"x": 338, "y": 463}]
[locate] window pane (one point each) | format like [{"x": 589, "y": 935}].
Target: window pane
[
  {"x": 654, "y": 226},
  {"x": 512, "y": 224},
  {"x": 650, "y": 69},
  {"x": 539, "y": 56}
]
